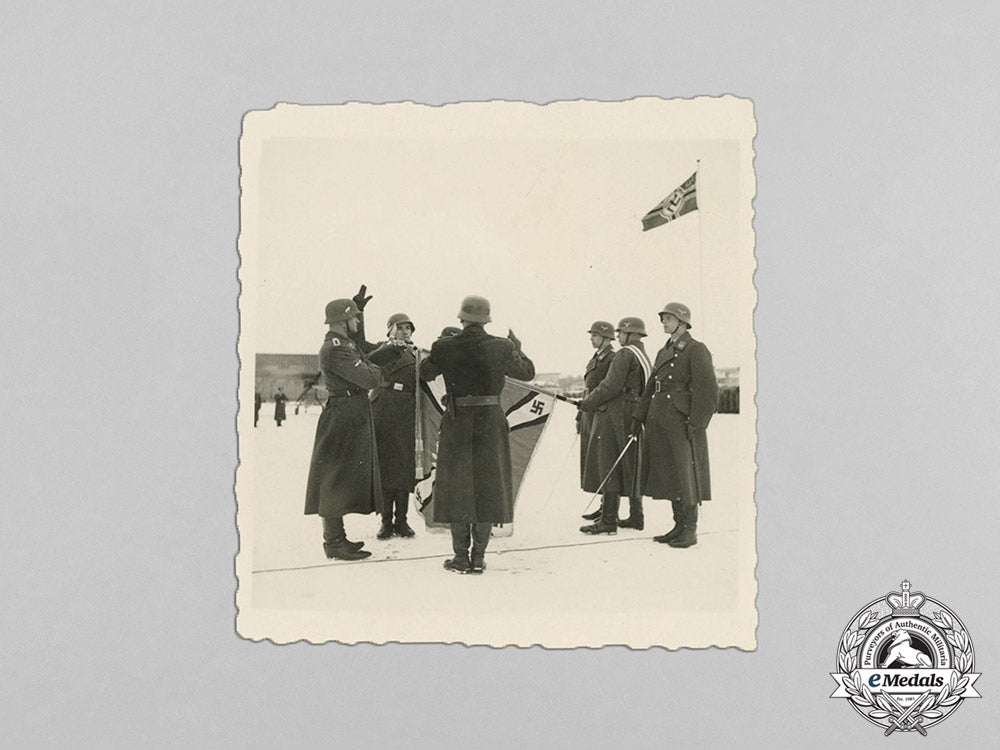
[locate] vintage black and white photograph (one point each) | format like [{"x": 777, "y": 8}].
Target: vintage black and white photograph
[{"x": 502, "y": 370}]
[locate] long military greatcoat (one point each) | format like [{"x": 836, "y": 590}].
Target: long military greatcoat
[
  {"x": 613, "y": 403},
  {"x": 393, "y": 405},
  {"x": 473, "y": 482},
  {"x": 597, "y": 368},
  {"x": 676, "y": 407},
  {"x": 343, "y": 473},
  {"x": 279, "y": 406}
]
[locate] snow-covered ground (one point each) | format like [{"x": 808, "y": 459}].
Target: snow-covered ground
[{"x": 546, "y": 583}]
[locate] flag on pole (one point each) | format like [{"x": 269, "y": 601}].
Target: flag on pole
[
  {"x": 527, "y": 413},
  {"x": 682, "y": 200}
]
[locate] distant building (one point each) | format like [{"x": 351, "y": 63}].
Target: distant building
[{"x": 293, "y": 372}]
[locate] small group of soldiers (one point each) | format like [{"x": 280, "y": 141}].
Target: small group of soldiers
[
  {"x": 642, "y": 425},
  {"x": 363, "y": 456}
]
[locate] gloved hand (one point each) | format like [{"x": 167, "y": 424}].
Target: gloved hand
[
  {"x": 360, "y": 299},
  {"x": 635, "y": 428},
  {"x": 515, "y": 339},
  {"x": 579, "y": 419}
]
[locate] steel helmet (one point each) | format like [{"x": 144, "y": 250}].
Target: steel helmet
[
  {"x": 602, "y": 328},
  {"x": 632, "y": 325},
  {"x": 679, "y": 311},
  {"x": 448, "y": 331},
  {"x": 475, "y": 309},
  {"x": 340, "y": 309},
  {"x": 395, "y": 320}
]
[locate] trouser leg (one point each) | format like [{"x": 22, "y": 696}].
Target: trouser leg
[
  {"x": 402, "y": 500},
  {"x": 333, "y": 529},
  {"x": 609, "y": 508},
  {"x": 635, "y": 518},
  {"x": 461, "y": 537},
  {"x": 386, "y": 529}
]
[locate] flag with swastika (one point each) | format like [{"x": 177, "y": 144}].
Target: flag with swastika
[
  {"x": 682, "y": 200},
  {"x": 527, "y": 411}
]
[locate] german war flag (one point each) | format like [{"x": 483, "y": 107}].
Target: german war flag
[
  {"x": 527, "y": 413},
  {"x": 682, "y": 200}
]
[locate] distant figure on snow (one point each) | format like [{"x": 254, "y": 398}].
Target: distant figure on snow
[{"x": 279, "y": 406}]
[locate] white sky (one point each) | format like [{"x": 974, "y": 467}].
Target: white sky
[{"x": 545, "y": 225}]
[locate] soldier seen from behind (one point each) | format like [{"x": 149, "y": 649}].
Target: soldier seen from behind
[
  {"x": 474, "y": 486},
  {"x": 343, "y": 473},
  {"x": 677, "y": 404},
  {"x": 612, "y": 464}
]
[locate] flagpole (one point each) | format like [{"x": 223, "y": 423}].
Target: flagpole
[{"x": 701, "y": 249}]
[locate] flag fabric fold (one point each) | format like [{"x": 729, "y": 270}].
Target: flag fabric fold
[
  {"x": 527, "y": 411},
  {"x": 682, "y": 200}
]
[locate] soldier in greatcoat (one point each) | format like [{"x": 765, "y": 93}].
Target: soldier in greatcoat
[
  {"x": 474, "y": 487},
  {"x": 610, "y": 458},
  {"x": 393, "y": 409},
  {"x": 602, "y": 334},
  {"x": 343, "y": 473},
  {"x": 676, "y": 407},
  {"x": 279, "y": 406}
]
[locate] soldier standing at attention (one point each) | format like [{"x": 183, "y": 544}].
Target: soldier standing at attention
[
  {"x": 474, "y": 488},
  {"x": 676, "y": 407},
  {"x": 343, "y": 473},
  {"x": 393, "y": 409},
  {"x": 601, "y": 335},
  {"x": 613, "y": 403}
]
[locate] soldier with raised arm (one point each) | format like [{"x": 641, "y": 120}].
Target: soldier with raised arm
[{"x": 343, "y": 473}]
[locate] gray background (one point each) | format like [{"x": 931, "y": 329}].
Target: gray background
[{"x": 876, "y": 240}]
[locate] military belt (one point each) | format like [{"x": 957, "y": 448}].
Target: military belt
[
  {"x": 662, "y": 386},
  {"x": 476, "y": 400}
]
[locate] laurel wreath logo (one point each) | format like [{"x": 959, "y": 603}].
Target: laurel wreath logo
[{"x": 862, "y": 696}]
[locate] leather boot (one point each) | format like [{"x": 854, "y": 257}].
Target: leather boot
[
  {"x": 678, "y": 515},
  {"x": 687, "y": 536},
  {"x": 461, "y": 536},
  {"x": 591, "y": 516},
  {"x": 480, "y": 540},
  {"x": 401, "y": 527},
  {"x": 345, "y": 550},
  {"x": 608, "y": 522},
  {"x": 386, "y": 530},
  {"x": 635, "y": 518},
  {"x": 336, "y": 545}
]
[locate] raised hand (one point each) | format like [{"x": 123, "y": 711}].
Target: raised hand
[{"x": 360, "y": 299}]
